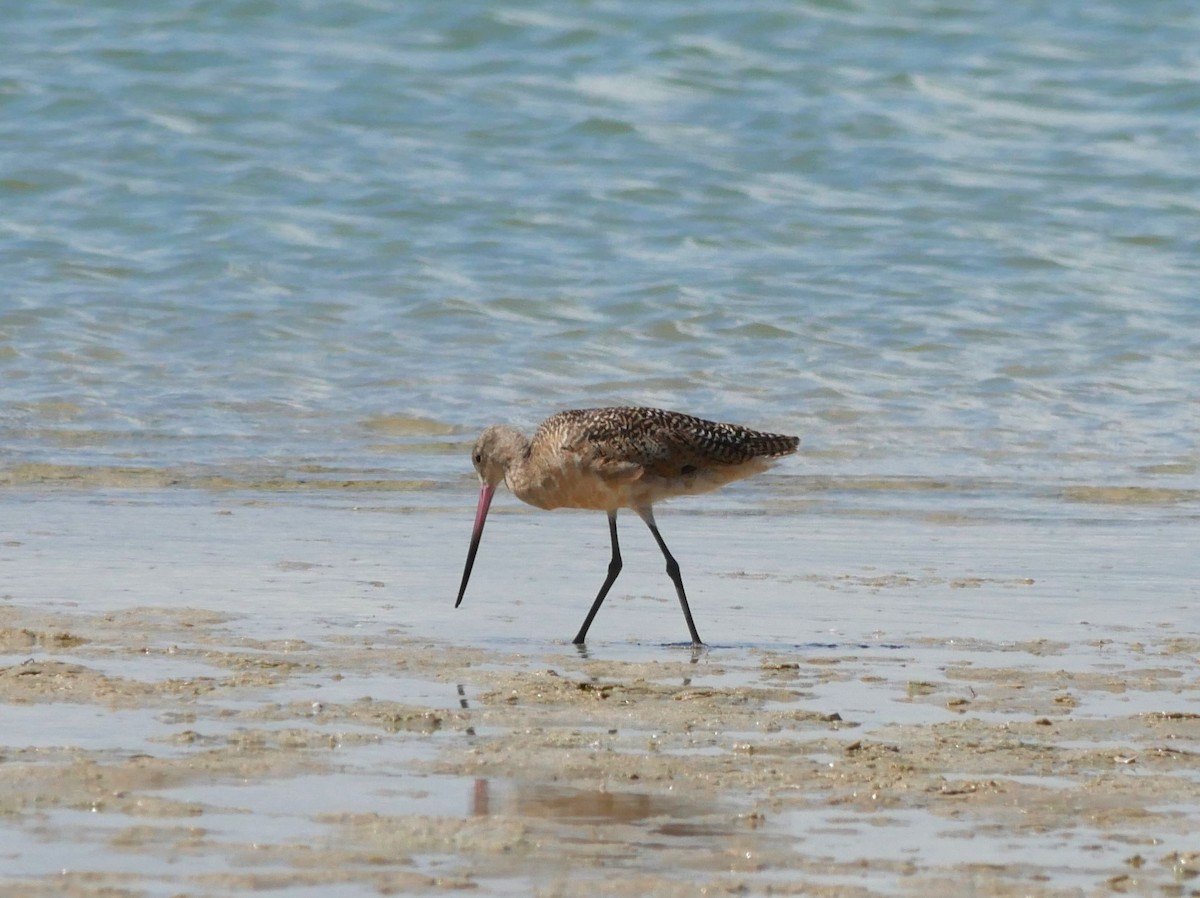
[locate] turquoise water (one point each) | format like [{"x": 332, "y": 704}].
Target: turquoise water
[{"x": 260, "y": 241}]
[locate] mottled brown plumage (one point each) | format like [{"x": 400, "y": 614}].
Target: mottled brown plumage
[
  {"x": 611, "y": 458},
  {"x": 665, "y": 440}
]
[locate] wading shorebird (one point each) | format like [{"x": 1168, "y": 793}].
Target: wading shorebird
[{"x": 613, "y": 458}]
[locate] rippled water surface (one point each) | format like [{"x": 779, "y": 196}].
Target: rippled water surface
[{"x": 255, "y": 240}]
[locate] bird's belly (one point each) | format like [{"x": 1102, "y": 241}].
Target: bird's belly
[
  {"x": 567, "y": 490},
  {"x": 579, "y": 486}
]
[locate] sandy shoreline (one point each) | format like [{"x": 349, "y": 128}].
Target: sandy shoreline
[
  {"x": 507, "y": 773},
  {"x": 214, "y": 697}
]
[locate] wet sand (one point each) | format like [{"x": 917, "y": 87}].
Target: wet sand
[{"x": 189, "y": 711}]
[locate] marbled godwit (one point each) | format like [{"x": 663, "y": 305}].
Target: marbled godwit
[{"x": 612, "y": 458}]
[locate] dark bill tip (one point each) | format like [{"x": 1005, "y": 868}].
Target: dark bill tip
[{"x": 485, "y": 500}]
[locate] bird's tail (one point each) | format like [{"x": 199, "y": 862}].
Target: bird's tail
[{"x": 772, "y": 445}]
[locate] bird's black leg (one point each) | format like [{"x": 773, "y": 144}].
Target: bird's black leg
[
  {"x": 647, "y": 515},
  {"x": 614, "y": 568}
]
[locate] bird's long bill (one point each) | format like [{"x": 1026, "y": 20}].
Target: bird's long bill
[{"x": 485, "y": 500}]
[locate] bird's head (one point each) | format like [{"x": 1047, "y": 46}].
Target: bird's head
[{"x": 497, "y": 449}]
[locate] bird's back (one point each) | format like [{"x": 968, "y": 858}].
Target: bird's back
[{"x": 662, "y": 442}]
